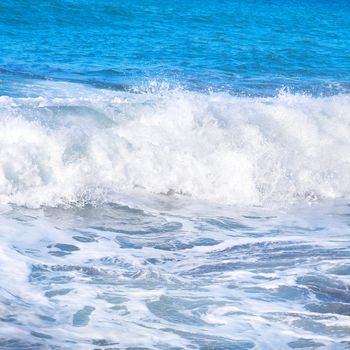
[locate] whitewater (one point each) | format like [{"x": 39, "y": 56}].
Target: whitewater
[
  {"x": 87, "y": 147},
  {"x": 174, "y": 175}
]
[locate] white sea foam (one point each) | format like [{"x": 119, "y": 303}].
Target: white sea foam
[{"x": 85, "y": 144}]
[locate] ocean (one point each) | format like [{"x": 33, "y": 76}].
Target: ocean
[{"x": 174, "y": 175}]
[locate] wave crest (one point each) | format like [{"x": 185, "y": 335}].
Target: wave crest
[{"x": 216, "y": 147}]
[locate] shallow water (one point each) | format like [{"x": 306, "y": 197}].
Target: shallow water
[{"x": 175, "y": 276}]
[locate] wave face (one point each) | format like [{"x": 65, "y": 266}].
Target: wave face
[{"x": 80, "y": 145}]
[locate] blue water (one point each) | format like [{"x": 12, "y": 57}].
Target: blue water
[
  {"x": 252, "y": 47},
  {"x": 174, "y": 175}
]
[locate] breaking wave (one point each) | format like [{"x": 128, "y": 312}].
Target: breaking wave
[{"x": 86, "y": 144}]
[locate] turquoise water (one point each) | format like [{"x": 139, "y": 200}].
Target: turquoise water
[
  {"x": 252, "y": 47},
  {"x": 174, "y": 175}
]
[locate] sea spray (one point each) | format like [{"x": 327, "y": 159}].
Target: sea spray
[{"x": 215, "y": 147}]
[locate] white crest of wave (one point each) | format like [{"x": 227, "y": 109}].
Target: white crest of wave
[{"x": 215, "y": 147}]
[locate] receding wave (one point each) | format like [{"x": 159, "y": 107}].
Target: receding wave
[{"x": 86, "y": 145}]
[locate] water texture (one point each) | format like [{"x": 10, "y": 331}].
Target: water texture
[
  {"x": 174, "y": 175},
  {"x": 253, "y": 47}
]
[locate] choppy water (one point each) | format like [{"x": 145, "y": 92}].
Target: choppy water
[
  {"x": 175, "y": 277},
  {"x": 250, "y": 46},
  {"x": 174, "y": 175}
]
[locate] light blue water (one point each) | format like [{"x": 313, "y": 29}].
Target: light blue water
[{"x": 174, "y": 175}]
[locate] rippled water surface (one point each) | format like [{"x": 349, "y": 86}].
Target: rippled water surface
[
  {"x": 253, "y": 47},
  {"x": 175, "y": 277}
]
